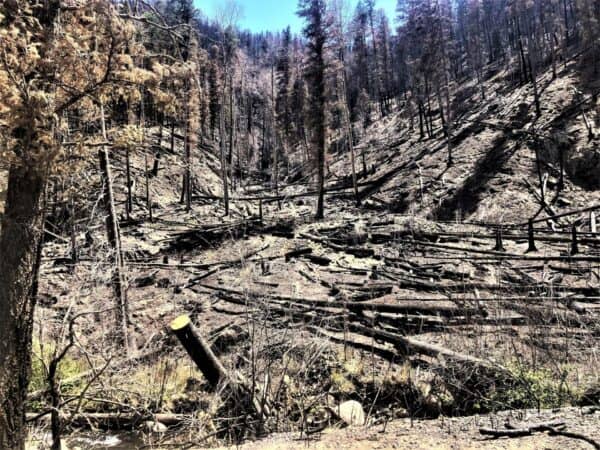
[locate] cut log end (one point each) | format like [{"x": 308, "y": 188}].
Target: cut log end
[{"x": 180, "y": 322}]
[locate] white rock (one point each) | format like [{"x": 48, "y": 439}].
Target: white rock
[
  {"x": 351, "y": 412},
  {"x": 155, "y": 427}
]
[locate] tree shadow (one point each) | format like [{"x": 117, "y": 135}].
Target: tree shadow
[{"x": 467, "y": 197}]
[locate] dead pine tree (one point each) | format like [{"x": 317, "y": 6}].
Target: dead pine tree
[
  {"x": 112, "y": 231},
  {"x": 129, "y": 201},
  {"x": 129, "y": 181},
  {"x": 146, "y": 167},
  {"x": 187, "y": 176},
  {"x": 222, "y": 155},
  {"x": 315, "y": 32},
  {"x": 275, "y": 142},
  {"x": 232, "y": 127},
  {"x": 341, "y": 43}
]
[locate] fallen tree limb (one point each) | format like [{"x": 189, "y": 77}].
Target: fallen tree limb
[
  {"x": 119, "y": 420},
  {"x": 511, "y": 431},
  {"x": 507, "y": 256},
  {"x": 408, "y": 345},
  {"x": 398, "y": 308},
  {"x": 553, "y": 428},
  {"x": 359, "y": 252}
]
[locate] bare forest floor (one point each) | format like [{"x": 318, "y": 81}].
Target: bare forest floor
[{"x": 407, "y": 304}]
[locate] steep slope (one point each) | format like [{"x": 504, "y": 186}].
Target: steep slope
[{"x": 494, "y": 145}]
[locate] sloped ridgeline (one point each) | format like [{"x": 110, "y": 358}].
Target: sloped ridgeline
[{"x": 502, "y": 154}]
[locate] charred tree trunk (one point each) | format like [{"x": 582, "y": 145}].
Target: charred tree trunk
[
  {"x": 275, "y": 138},
  {"x": 129, "y": 202},
  {"x": 20, "y": 247},
  {"x": 148, "y": 198},
  {"x": 146, "y": 169},
  {"x": 231, "y": 127},
  {"x": 173, "y": 135},
  {"x": 186, "y": 192},
  {"x": 199, "y": 350},
  {"x": 421, "y": 120},
  {"x": 348, "y": 124},
  {"x": 72, "y": 230},
  {"x": 21, "y": 234},
  {"x": 223, "y": 156}
]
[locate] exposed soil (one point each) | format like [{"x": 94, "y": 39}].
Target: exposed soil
[{"x": 443, "y": 434}]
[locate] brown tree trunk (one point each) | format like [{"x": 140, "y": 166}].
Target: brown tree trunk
[
  {"x": 20, "y": 255},
  {"x": 20, "y": 246}
]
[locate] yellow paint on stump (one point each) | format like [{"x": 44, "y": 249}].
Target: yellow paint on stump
[{"x": 180, "y": 322}]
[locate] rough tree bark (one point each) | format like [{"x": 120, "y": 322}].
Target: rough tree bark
[
  {"x": 20, "y": 254},
  {"x": 20, "y": 244}
]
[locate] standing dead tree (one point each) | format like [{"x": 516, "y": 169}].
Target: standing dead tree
[
  {"x": 315, "y": 31},
  {"x": 114, "y": 239}
]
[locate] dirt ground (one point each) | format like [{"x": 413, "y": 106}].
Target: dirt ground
[{"x": 443, "y": 434}]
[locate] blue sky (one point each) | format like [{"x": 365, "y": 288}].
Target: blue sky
[{"x": 274, "y": 15}]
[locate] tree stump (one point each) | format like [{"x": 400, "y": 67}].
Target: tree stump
[{"x": 199, "y": 350}]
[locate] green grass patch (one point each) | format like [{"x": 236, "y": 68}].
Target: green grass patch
[
  {"x": 533, "y": 388},
  {"x": 40, "y": 360}
]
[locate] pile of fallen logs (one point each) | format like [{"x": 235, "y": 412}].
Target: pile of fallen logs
[{"x": 374, "y": 309}]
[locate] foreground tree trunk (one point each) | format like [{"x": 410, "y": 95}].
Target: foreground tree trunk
[{"x": 20, "y": 243}]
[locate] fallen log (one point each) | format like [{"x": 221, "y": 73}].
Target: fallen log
[
  {"x": 416, "y": 298},
  {"x": 318, "y": 260},
  {"x": 522, "y": 431},
  {"x": 396, "y": 235},
  {"x": 297, "y": 252},
  {"x": 507, "y": 256},
  {"x": 247, "y": 258},
  {"x": 408, "y": 323},
  {"x": 550, "y": 315},
  {"x": 117, "y": 420},
  {"x": 415, "y": 308},
  {"x": 361, "y": 293},
  {"x": 408, "y": 345},
  {"x": 413, "y": 282},
  {"x": 359, "y": 252},
  {"x": 553, "y": 428},
  {"x": 344, "y": 338},
  {"x": 356, "y": 306}
]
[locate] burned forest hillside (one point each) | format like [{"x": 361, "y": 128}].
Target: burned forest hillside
[
  {"x": 213, "y": 237},
  {"x": 501, "y": 149}
]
